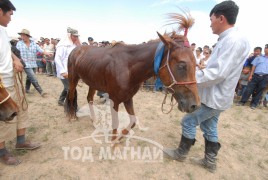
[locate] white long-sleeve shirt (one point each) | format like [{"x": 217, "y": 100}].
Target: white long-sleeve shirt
[
  {"x": 217, "y": 82},
  {"x": 6, "y": 62},
  {"x": 61, "y": 59}
]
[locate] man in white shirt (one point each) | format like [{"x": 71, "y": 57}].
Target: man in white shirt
[
  {"x": 8, "y": 64},
  {"x": 216, "y": 85},
  {"x": 49, "y": 48},
  {"x": 64, "y": 48}
]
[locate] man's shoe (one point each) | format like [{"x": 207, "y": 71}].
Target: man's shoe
[
  {"x": 240, "y": 103},
  {"x": 209, "y": 161},
  {"x": 9, "y": 159},
  {"x": 253, "y": 107},
  {"x": 61, "y": 103},
  {"x": 181, "y": 152},
  {"x": 28, "y": 146},
  {"x": 265, "y": 103},
  {"x": 44, "y": 94}
]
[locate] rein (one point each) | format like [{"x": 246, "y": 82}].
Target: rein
[{"x": 21, "y": 96}]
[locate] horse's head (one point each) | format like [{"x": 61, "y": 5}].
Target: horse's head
[
  {"x": 8, "y": 108},
  {"x": 177, "y": 72}
]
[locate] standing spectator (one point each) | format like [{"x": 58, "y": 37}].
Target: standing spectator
[
  {"x": 205, "y": 48},
  {"x": 216, "y": 85},
  {"x": 193, "y": 45},
  {"x": 90, "y": 41},
  {"x": 243, "y": 81},
  {"x": 257, "y": 52},
  {"x": 63, "y": 50},
  {"x": 41, "y": 65},
  {"x": 54, "y": 42},
  {"x": 198, "y": 56},
  {"x": 204, "y": 60},
  {"x": 258, "y": 80},
  {"x": 9, "y": 64},
  {"x": 49, "y": 48},
  {"x": 28, "y": 51}
]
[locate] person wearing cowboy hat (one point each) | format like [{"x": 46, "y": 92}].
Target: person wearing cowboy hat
[
  {"x": 9, "y": 65},
  {"x": 28, "y": 50}
]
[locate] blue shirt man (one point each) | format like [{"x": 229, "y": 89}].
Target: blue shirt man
[
  {"x": 258, "y": 80},
  {"x": 261, "y": 64}
]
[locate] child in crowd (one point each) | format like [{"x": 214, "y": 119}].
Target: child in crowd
[{"x": 243, "y": 81}]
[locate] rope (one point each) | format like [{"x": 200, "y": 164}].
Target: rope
[
  {"x": 171, "y": 104},
  {"x": 21, "y": 97}
]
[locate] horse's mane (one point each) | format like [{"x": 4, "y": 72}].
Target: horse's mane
[{"x": 185, "y": 21}]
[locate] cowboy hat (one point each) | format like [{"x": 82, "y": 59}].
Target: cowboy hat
[{"x": 26, "y": 32}]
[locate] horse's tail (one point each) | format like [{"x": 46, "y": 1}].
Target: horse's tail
[{"x": 71, "y": 106}]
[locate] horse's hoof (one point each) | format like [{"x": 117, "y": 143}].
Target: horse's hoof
[{"x": 125, "y": 132}]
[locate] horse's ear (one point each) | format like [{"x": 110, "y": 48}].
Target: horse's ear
[
  {"x": 163, "y": 39},
  {"x": 166, "y": 40}
]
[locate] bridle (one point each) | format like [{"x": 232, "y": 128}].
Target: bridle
[
  {"x": 174, "y": 81},
  {"x": 6, "y": 98}
]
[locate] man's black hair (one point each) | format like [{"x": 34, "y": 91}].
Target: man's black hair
[
  {"x": 228, "y": 9},
  {"x": 6, "y": 6},
  {"x": 256, "y": 48}
]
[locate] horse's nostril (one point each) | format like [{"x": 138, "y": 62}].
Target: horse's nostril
[
  {"x": 14, "y": 114},
  {"x": 194, "y": 107}
]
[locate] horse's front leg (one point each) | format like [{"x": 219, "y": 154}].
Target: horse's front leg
[
  {"x": 90, "y": 96},
  {"x": 130, "y": 110}
]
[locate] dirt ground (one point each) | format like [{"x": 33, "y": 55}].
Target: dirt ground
[{"x": 243, "y": 135}]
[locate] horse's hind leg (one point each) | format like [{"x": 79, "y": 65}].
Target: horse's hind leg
[
  {"x": 90, "y": 96},
  {"x": 115, "y": 121}
]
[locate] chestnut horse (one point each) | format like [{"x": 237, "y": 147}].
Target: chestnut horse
[
  {"x": 8, "y": 108},
  {"x": 120, "y": 70}
]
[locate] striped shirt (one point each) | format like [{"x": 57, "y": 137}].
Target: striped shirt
[{"x": 28, "y": 54}]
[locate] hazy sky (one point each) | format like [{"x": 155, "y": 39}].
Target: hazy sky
[{"x": 130, "y": 21}]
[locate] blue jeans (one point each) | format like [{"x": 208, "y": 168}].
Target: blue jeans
[
  {"x": 207, "y": 118},
  {"x": 64, "y": 92},
  {"x": 31, "y": 79},
  {"x": 30, "y": 74},
  {"x": 242, "y": 90}
]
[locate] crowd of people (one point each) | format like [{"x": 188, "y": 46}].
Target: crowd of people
[{"x": 218, "y": 69}]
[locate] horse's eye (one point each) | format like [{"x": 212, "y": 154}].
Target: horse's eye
[{"x": 181, "y": 66}]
